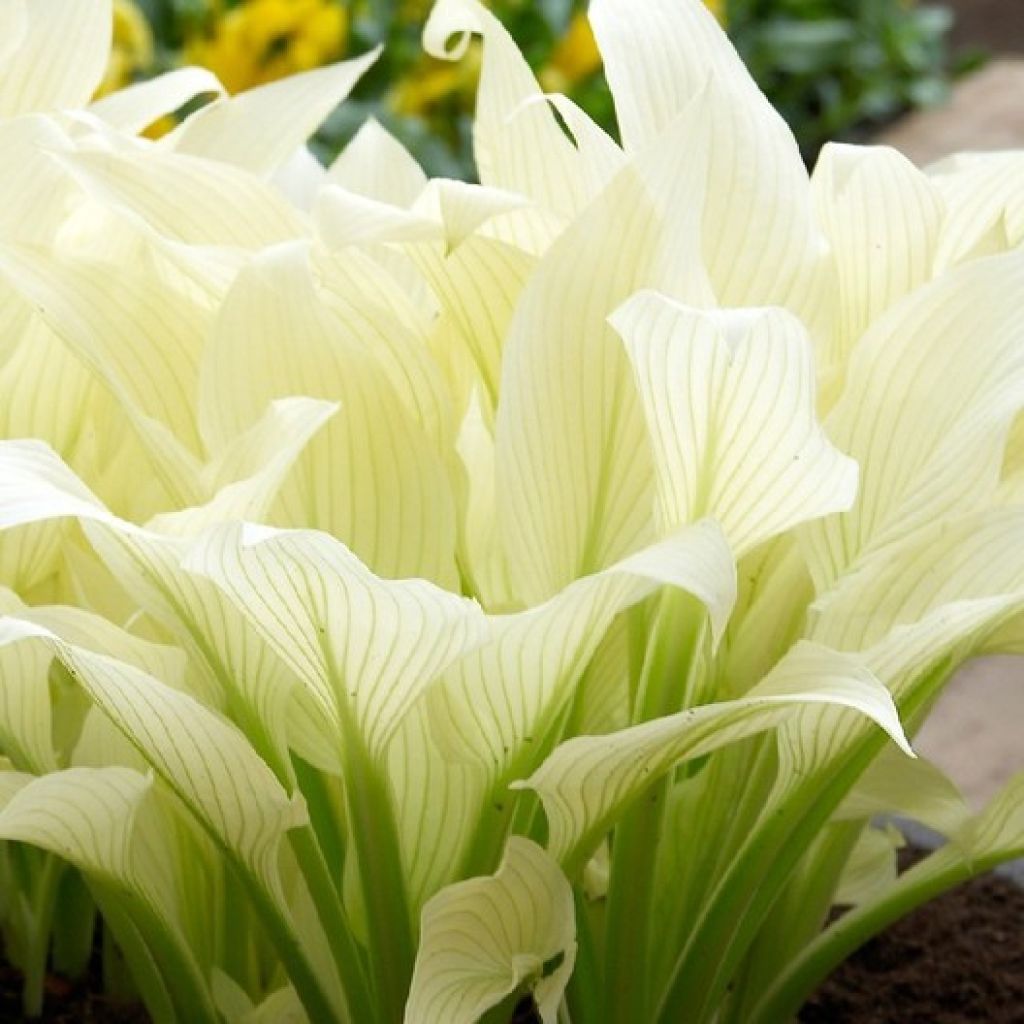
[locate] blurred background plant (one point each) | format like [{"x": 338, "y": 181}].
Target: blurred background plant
[{"x": 835, "y": 68}]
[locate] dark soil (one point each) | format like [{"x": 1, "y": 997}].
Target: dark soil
[
  {"x": 959, "y": 960},
  {"x": 68, "y": 1002}
]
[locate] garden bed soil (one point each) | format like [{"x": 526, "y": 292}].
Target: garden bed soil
[{"x": 958, "y": 960}]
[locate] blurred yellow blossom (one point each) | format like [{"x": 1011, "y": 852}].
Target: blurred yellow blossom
[
  {"x": 431, "y": 81},
  {"x": 574, "y": 57},
  {"x": 131, "y": 51},
  {"x": 262, "y": 40}
]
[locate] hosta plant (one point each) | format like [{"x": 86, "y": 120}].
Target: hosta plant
[{"x": 424, "y": 599}]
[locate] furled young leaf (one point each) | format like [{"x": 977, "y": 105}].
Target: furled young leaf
[
  {"x": 485, "y": 938},
  {"x": 729, "y": 401},
  {"x": 588, "y": 781},
  {"x": 26, "y": 717},
  {"x": 574, "y": 486},
  {"x": 517, "y": 141}
]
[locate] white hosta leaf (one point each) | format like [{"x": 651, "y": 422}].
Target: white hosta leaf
[
  {"x": 931, "y": 390},
  {"x": 987, "y": 839},
  {"x": 29, "y": 151},
  {"x": 10, "y": 783},
  {"x": 981, "y": 561},
  {"x": 35, "y": 485},
  {"x": 346, "y": 219},
  {"x": 589, "y": 781},
  {"x": 375, "y": 479},
  {"x": 910, "y": 787},
  {"x": 77, "y": 626},
  {"x": 231, "y": 657},
  {"x": 137, "y": 106},
  {"x": 480, "y": 555},
  {"x": 729, "y": 401},
  {"x": 143, "y": 344},
  {"x": 871, "y": 866},
  {"x": 437, "y": 803},
  {"x": 376, "y": 165},
  {"x": 58, "y": 56},
  {"x": 489, "y": 713},
  {"x": 369, "y": 646},
  {"x": 246, "y": 477},
  {"x": 759, "y": 240},
  {"x": 985, "y": 203},
  {"x": 999, "y": 828},
  {"x": 204, "y": 759},
  {"x": 84, "y": 815},
  {"x": 463, "y": 207},
  {"x": 484, "y": 938},
  {"x": 574, "y": 478},
  {"x": 501, "y": 698},
  {"x": 259, "y": 129},
  {"x": 26, "y": 714},
  {"x": 477, "y": 286},
  {"x": 13, "y": 26},
  {"x": 188, "y": 199},
  {"x": 109, "y": 823},
  {"x": 882, "y": 216}
]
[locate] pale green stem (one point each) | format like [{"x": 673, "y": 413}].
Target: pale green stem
[
  {"x": 345, "y": 951},
  {"x": 749, "y": 888},
  {"x": 385, "y": 901},
  {"x": 665, "y": 681},
  {"x": 184, "y": 978},
  {"x": 582, "y": 993},
  {"x": 795, "y": 920},
  {"x": 755, "y": 878},
  {"x": 146, "y": 974},
  {"x": 37, "y": 953},
  {"x": 319, "y": 1006}
]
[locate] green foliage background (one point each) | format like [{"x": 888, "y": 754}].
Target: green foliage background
[{"x": 836, "y": 69}]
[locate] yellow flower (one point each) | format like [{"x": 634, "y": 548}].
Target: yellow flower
[
  {"x": 434, "y": 80},
  {"x": 574, "y": 57},
  {"x": 131, "y": 50},
  {"x": 262, "y": 40}
]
